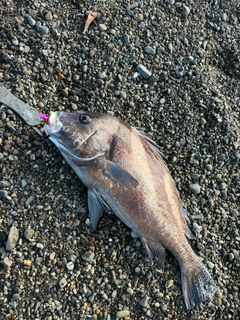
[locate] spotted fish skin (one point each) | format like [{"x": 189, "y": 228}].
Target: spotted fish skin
[{"x": 123, "y": 170}]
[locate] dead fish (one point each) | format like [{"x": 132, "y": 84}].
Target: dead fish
[{"x": 123, "y": 170}]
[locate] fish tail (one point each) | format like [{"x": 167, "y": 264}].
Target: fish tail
[{"x": 197, "y": 284}]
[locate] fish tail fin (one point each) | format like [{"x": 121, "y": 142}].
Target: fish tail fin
[{"x": 197, "y": 284}]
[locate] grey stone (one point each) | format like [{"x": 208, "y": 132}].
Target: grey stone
[
  {"x": 143, "y": 71},
  {"x": 102, "y": 27},
  {"x": 149, "y": 50},
  {"x": 144, "y": 301},
  {"x": 16, "y": 296},
  {"x": 6, "y": 263},
  {"x": 126, "y": 38},
  {"x": 4, "y": 184},
  {"x": 210, "y": 265},
  {"x": 11, "y": 127},
  {"x": 74, "y": 106},
  {"x": 114, "y": 22},
  {"x": 170, "y": 46},
  {"x": 23, "y": 183},
  {"x": 3, "y": 194},
  {"x": 48, "y": 16},
  {"x": 39, "y": 246},
  {"x": 28, "y": 233},
  {"x": 122, "y": 314},
  {"x": 70, "y": 265},
  {"x": 224, "y": 17},
  {"x": 15, "y": 42},
  {"x": 123, "y": 94},
  {"x": 153, "y": 78},
  {"x": 29, "y": 201},
  {"x": 223, "y": 186},
  {"x": 91, "y": 298},
  {"x": 12, "y": 239},
  {"x": 85, "y": 68},
  {"x": 42, "y": 29},
  {"x": 179, "y": 72},
  {"x": 62, "y": 283},
  {"x": 160, "y": 50},
  {"x": 88, "y": 256},
  {"x": 186, "y": 10},
  {"x": 195, "y": 188},
  {"x": 102, "y": 75},
  {"x": 31, "y": 22},
  {"x": 13, "y": 304}
]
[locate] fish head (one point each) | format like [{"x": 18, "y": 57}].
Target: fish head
[{"x": 82, "y": 133}]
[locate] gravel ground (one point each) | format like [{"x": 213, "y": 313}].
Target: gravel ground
[{"x": 170, "y": 67}]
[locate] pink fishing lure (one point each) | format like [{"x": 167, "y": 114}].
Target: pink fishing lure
[{"x": 43, "y": 116}]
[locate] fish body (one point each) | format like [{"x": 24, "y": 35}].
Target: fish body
[{"x": 123, "y": 170}]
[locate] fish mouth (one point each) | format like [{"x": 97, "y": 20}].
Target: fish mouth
[
  {"x": 53, "y": 118},
  {"x": 54, "y": 124}
]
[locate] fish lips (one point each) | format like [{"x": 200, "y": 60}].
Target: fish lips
[{"x": 54, "y": 125}]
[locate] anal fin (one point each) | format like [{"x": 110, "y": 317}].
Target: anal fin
[
  {"x": 155, "y": 250},
  {"x": 187, "y": 224}
]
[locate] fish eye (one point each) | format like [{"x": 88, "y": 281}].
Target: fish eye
[{"x": 84, "y": 119}]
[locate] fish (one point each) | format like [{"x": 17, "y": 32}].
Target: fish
[{"x": 123, "y": 170}]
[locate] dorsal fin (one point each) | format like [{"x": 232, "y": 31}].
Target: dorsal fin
[{"x": 148, "y": 138}]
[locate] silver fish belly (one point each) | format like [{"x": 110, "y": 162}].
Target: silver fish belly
[{"x": 123, "y": 170}]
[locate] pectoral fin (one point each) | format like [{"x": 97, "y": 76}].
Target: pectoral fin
[
  {"x": 155, "y": 250},
  {"x": 95, "y": 208},
  {"x": 116, "y": 173}
]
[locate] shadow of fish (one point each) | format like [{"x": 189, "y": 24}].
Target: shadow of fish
[{"x": 123, "y": 169}]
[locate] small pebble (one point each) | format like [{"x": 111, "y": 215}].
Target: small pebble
[
  {"x": 126, "y": 38},
  {"x": 144, "y": 301},
  {"x": 195, "y": 188},
  {"x": 224, "y": 17},
  {"x": 210, "y": 265},
  {"x": 6, "y": 263},
  {"x": 62, "y": 283},
  {"x": 31, "y": 22},
  {"x": 122, "y": 314},
  {"x": 23, "y": 183},
  {"x": 143, "y": 71},
  {"x": 102, "y": 27},
  {"x": 39, "y": 246},
  {"x": 186, "y": 10},
  {"x": 48, "y": 16},
  {"x": 28, "y": 233},
  {"x": 149, "y": 50},
  {"x": 139, "y": 17},
  {"x": 123, "y": 94},
  {"x": 70, "y": 265},
  {"x": 12, "y": 239},
  {"x": 42, "y": 29},
  {"x": 222, "y": 186},
  {"x": 52, "y": 255},
  {"x": 88, "y": 256},
  {"x": 3, "y": 194},
  {"x": 29, "y": 201}
]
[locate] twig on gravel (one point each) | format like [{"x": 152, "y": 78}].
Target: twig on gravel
[{"x": 89, "y": 20}]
